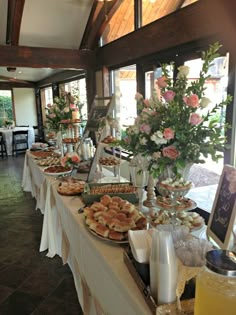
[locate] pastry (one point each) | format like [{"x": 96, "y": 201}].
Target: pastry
[{"x": 113, "y": 218}]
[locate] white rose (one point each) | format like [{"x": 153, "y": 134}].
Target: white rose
[
  {"x": 157, "y": 137},
  {"x": 66, "y": 110},
  {"x": 143, "y": 141},
  {"x": 183, "y": 71},
  {"x": 205, "y": 101}
]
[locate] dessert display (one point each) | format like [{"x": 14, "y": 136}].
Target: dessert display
[
  {"x": 109, "y": 139},
  {"x": 181, "y": 203},
  {"x": 43, "y": 154},
  {"x": 70, "y": 187},
  {"x": 51, "y": 160},
  {"x": 112, "y": 188},
  {"x": 109, "y": 161},
  {"x": 173, "y": 184},
  {"x": 112, "y": 217},
  {"x": 191, "y": 220},
  {"x": 70, "y": 140},
  {"x": 57, "y": 170}
]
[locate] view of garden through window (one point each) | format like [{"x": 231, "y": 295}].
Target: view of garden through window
[{"x": 6, "y": 112}]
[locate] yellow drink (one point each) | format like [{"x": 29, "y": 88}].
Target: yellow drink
[{"x": 215, "y": 294}]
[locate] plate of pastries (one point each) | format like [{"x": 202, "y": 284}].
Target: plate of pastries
[
  {"x": 182, "y": 203},
  {"x": 57, "y": 170},
  {"x": 70, "y": 187},
  {"x": 109, "y": 161},
  {"x": 51, "y": 160},
  {"x": 191, "y": 220},
  {"x": 111, "y": 218}
]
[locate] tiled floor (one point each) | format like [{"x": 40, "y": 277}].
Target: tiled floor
[{"x": 30, "y": 283}]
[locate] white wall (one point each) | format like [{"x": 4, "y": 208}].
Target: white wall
[{"x": 25, "y": 106}]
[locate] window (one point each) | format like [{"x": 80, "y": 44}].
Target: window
[
  {"x": 153, "y": 10},
  {"x": 6, "y": 111},
  {"x": 121, "y": 23},
  {"x": 125, "y": 88},
  {"x": 77, "y": 88}
]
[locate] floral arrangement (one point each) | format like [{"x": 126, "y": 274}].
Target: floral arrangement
[
  {"x": 70, "y": 159},
  {"x": 174, "y": 126},
  {"x": 60, "y": 110}
]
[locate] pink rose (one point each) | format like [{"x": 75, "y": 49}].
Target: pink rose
[
  {"x": 49, "y": 105},
  {"x": 146, "y": 102},
  {"x": 169, "y": 95},
  {"x": 192, "y": 101},
  {"x": 168, "y": 133},
  {"x": 72, "y": 106},
  {"x": 63, "y": 161},
  {"x": 138, "y": 97},
  {"x": 161, "y": 82},
  {"x": 195, "y": 119},
  {"x": 170, "y": 152},
  {"x": 52, "y": 115},
  {"x": 75, "y": 159},
  {"x": 145, "y": 128}
]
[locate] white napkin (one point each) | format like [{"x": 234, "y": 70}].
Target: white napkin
[{"x": 140, "y": 244}]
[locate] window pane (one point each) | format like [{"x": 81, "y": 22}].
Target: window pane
[
  {"x": 6, "y": 112},
  {"x": 125, "y": 88},
  {"x": 121, "y": 23},
  {"x": 155, "y": 9},
  {"x": 216, "y": 91}
]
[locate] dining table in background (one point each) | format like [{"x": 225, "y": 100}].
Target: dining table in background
[{"x": 8, "y": 134}]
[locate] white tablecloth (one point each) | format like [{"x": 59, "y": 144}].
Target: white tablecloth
[
  {"x": 103, "y": 282},
  {"x": 8, "y": 136}
]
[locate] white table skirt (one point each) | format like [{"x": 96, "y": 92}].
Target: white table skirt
[
  {"x": 103, "y": 282},
  {"x": 8, "y": 136}
]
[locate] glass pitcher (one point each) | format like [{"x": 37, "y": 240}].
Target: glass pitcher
[{"x": 216, "y": 285}]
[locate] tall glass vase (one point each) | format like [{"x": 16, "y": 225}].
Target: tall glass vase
[{"x": 139, "y": 176}]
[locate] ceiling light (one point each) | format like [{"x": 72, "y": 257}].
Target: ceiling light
[{"x": 11, "y": 69}]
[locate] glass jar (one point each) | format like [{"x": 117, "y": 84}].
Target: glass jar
[{"x": 216, "y": 284}]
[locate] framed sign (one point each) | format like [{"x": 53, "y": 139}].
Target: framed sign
[{"x": 222, "y": 217}]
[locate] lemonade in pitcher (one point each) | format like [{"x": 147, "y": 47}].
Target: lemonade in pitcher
[{"x": 216, "y": 285}]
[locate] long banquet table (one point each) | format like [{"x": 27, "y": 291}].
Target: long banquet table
[
  {"x": 7, "y": 133},
  {"x": 103, "y": 282}
]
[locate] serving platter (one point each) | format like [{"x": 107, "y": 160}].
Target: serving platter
[
  {"x": 106, "y": 239},
  {"x": 57, "y": 170},
  {"x": 182, "y": 203},
  {"x": 112, "y": 217},
  {"x": 192, "y": 220},
  {"x": 71, "y": 187}
]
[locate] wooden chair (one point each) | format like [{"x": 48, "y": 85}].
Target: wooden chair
[
  {"x": 19, "y": 141},
  {"x": 3, "y": 146}
]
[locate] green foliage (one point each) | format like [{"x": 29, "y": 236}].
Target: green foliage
[{"x": 5, "y": 109}]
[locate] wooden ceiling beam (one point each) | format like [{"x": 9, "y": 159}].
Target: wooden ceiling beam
[
  {"x": 62, "y": 76},
  {"x": 193, "y": 23},
  {"x": 14, "y": 17},
  {"x": 100, "y": 16},
  {"x": 10, "y": 85},
  {"x": 38, "y": 57}
]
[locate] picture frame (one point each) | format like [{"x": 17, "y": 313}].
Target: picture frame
[{"x": 222, "y": 217}]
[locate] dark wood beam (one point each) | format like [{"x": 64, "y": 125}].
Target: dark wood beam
[
  {"x": 100, "y": 16},
  {"x": 14, "y": 17},
  {"x": 38, "y": 57},
  {"x": 11, "y": 85},
  {"x": 62, "y": 76},
  {"x": 192, "y": 23}
]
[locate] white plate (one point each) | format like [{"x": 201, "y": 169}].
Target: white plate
[{"x": 56, "y": 173}]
